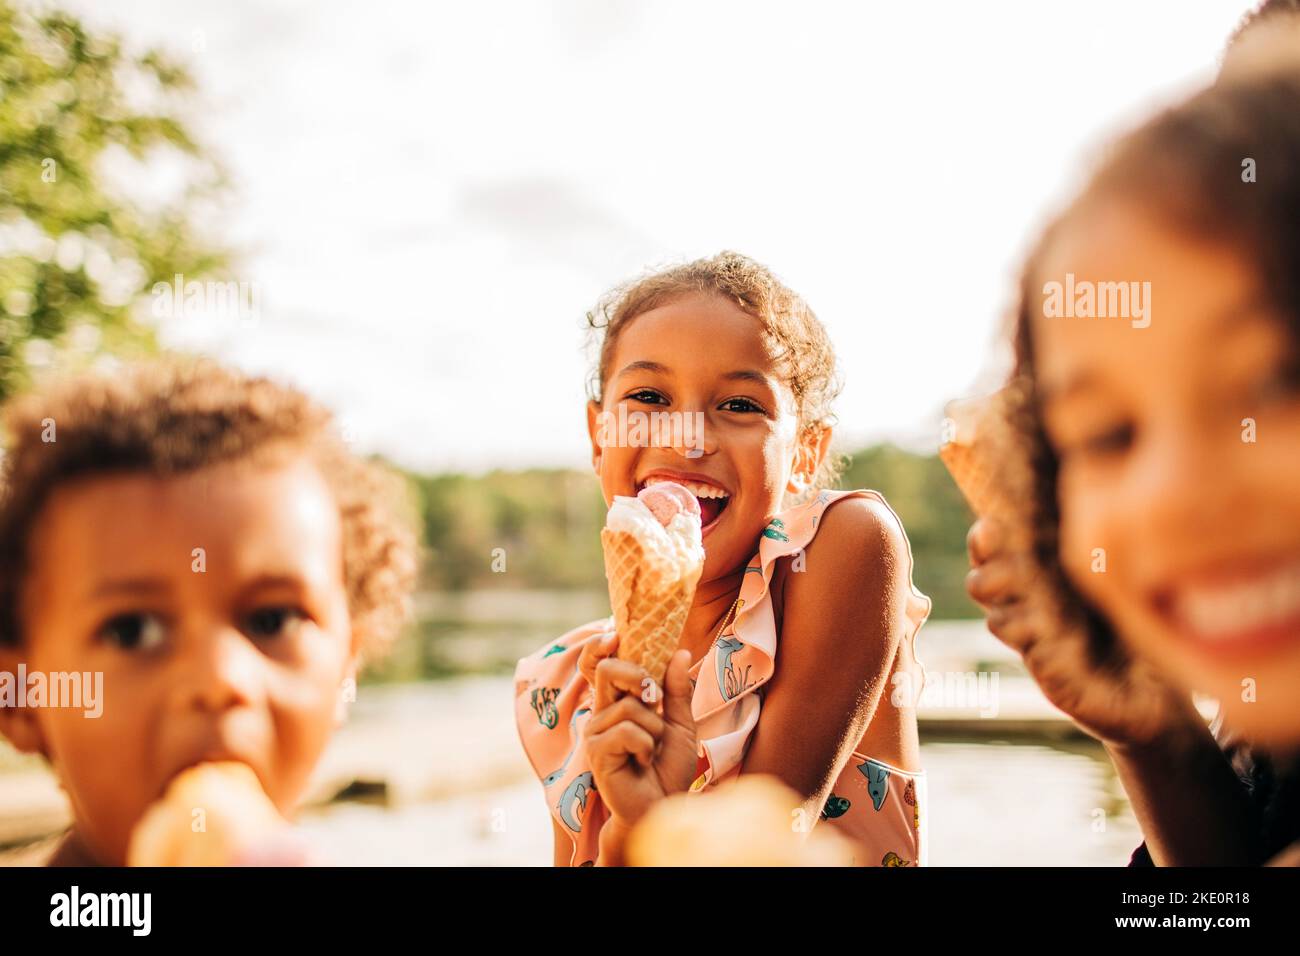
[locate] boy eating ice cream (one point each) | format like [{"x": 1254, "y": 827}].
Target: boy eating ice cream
[{"x": 205, "y": 542}]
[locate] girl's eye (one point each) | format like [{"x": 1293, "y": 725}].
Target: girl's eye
[
  {"x": 648, "y": 396},
  {"x": 134, "y": 632},
  {"x": 1103, "y": 443},
  {"x": 740, "y": 405},
  {"x": 269, "y": 622}
]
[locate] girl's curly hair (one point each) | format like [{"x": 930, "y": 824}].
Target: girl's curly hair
[
  {"x": 174, "y": 416},
  {"x": 794, "y": 335},
  {"x": 1185, "y": 166}
]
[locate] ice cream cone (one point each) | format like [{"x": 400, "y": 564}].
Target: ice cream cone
[
  {"x": 649, "y": 598},
  {"x": 981, "y": 454},
  {"x": 209, "y": 815}
]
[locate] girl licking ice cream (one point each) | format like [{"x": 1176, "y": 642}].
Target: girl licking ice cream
[{"x": 800, "y": 630}]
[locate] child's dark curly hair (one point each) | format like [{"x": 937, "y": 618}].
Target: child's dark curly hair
[
  {"x": 794, "y": 334},
  {"x": 174, "y": 416},
  {"x": 1266, "y": 37},
  {"x": 1185, "y": 166},
  {"x": 1265, "y": 11}
]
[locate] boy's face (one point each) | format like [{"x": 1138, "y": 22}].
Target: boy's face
[
  {"x": 730, "y": 425},
  {"x": 1179, "y": 448},
  {"x": 235, "y": 652}
]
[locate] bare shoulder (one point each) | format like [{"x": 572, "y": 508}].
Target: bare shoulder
[
  {"x": 852, "y": 579},
  {"x": 858, "y": 538}
]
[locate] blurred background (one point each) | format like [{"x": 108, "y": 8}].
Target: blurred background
[{"x": 413, "y": 205}]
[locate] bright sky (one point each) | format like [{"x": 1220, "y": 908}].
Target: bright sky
[{"x": 430, "y": 195}]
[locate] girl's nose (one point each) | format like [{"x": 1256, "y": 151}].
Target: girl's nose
[{"x": 693, "y": 439}]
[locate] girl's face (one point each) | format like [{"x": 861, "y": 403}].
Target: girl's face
[
  {"x": 1179, "y": 448},
  {"x": 214, "y": 606},
  {"x": 693, "y": 396}
]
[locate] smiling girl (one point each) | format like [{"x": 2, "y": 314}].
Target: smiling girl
[
  {"x": 805, "y": 608},
  {"x": 1167, "y": 456}
]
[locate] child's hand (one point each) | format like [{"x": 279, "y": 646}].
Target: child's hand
[
  {"x": 1130, "y": 706},
  {"x": 636, "y": 755}
]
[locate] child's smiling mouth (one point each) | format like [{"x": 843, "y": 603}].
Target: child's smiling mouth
[
  {"x": 1237, "y": 613},
  {"x": 712, "y": 497}
]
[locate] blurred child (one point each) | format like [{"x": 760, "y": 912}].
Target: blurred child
[
  {"x": 204, "y": 542},
  {"x": 1167, "y": 512},
  {"x": 797, "y": 655}
]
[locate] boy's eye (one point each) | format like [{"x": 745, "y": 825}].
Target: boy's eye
[
  {"x": 649, "y": 396},
  {"x": 740, "y": 405},
  {"x": 276, "y": 621},
  {"x": 134, "y": 632}
]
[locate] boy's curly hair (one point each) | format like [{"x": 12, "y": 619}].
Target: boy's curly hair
[
  {"x": 174, "y": 416},
  {"x": 796, "y": 338},
  {"x": 1184, "y": 167}
]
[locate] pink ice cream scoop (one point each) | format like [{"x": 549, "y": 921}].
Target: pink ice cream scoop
[{"x": 666, "y": 500}]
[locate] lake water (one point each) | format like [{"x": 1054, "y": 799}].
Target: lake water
[
  {"x": 992, "y": 803},
  {"x": 460, "y": 792}
]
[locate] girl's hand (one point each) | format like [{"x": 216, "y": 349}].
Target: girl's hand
[
  {"x": 1125, "y": 707},
  {"x": 638, "y": 756}
]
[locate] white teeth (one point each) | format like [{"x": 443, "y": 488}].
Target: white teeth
[
  {"x": 698, "y": 490},
  {"x": 1219, "y": 612}
]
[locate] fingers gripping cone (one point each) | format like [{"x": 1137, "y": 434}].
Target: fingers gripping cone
[{"x": 653, "y": 560}]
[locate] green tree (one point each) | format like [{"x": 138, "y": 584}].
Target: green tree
[
  {"x": 933, "y": 512},
  {"x": 79, "y": 252}
]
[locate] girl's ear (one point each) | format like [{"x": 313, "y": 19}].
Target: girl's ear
[
  {"x": 17, "y": 724},
  {"x": 814, "y": 445},
  {"x": 595, "y": 429}
]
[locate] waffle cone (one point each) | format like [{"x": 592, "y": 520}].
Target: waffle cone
[
  {"x": 984, "y": 457},
  {"x": 976, "y": 479},
  {"x": 650, "y": 601}
]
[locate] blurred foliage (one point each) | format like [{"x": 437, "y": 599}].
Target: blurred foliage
[
  {"x": 547, "y": 523},
  {"x": 935, "y": 515},
  {"x": 78, "y": 254}
]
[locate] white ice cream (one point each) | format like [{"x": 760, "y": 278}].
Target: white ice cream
[{"x": 678, "y": 543}]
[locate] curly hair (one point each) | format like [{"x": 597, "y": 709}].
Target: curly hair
[
  {"x": 1265, "y": 11},
  {"x": 175, "y": 416},
  {"x": 795, "y": 337},
  {"x": 1185, "y": 166}
]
